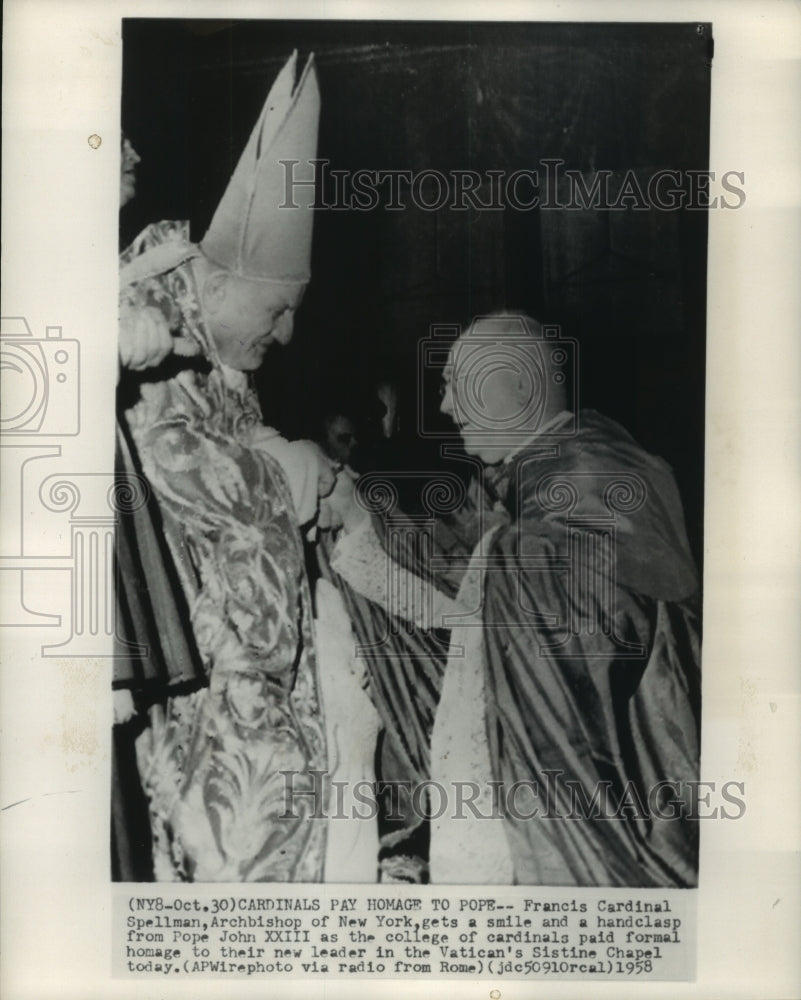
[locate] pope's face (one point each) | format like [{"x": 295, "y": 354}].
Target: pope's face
[
  {"x": 481, "y": 393},
  {"x": 247, "y": 317}
]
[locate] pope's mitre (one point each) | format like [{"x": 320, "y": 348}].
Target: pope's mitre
[{"x": 262, "y": 228}]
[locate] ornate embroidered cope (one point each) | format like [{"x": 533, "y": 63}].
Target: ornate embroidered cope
[{"x": 212, "y": 760}]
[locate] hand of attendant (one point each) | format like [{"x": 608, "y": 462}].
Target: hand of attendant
[{"x": 145, "y": 339}]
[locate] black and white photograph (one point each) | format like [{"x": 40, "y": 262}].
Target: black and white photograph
[
  {"x": 399, "y": 488},
  {"x": 412, "y": 348}
]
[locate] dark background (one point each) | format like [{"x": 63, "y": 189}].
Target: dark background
[{"x": 629, "y": 285}]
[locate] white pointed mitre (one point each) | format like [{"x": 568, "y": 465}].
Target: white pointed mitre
[{"x": 262, "y": 228}]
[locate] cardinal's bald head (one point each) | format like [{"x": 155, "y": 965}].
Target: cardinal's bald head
[{"x": 503, "y": 381}]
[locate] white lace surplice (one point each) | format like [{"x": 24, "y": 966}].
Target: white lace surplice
[
  {"x": 465, "y": 848},
  {"x": 352, "y": 726}
]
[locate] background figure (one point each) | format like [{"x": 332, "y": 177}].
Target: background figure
[
  {"x": 387, "y": 393},
  {"x": 379, "y": 446},
  {"x": 128, "y": 161},
  {"x": 354, "y": 427},
  {"x": 338, "y": 439}
]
